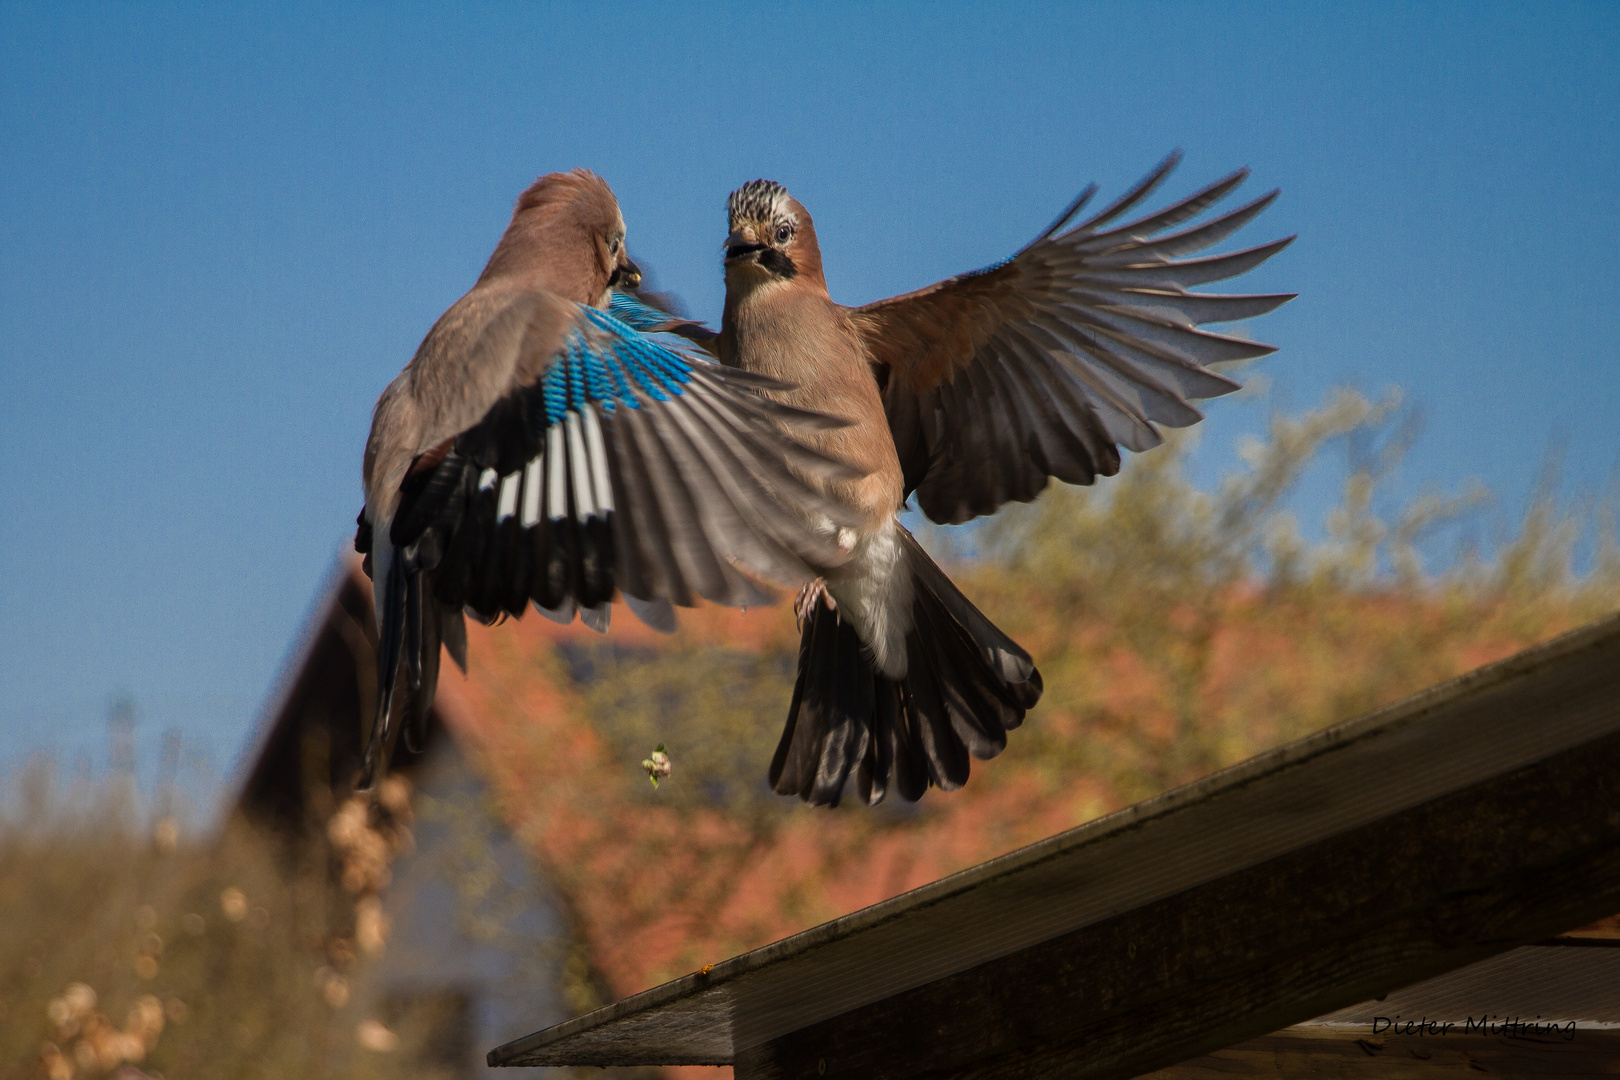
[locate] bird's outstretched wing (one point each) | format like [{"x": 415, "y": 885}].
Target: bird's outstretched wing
[
  {"x": 1044, "y": 365},
  {"x": 625, "y": 465}
]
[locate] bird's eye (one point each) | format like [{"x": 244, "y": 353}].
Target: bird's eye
[
  {"x": 784, "y": 233},
  {"x": 613, "y": 247}
]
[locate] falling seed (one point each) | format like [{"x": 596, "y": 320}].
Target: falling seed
[{"x": 657, "y": 766}]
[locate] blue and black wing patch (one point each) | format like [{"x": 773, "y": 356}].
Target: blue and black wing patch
[
  {"x": 631, "y": 310},
  {"x": 632, "y": 465},
  {"x": 641, "y": 316}
]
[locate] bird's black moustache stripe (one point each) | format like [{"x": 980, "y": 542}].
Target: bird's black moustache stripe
[
  {"x": 777, "y": 263},
  {"x": 770, "y": 258}
]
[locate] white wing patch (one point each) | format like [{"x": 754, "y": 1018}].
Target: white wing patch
[
  {"x": 556, "y": 487},
  {"x": 531, "y": 492},
  {"x": 507, "y": 505},
  {"x": 584, "y": 491},
  {"x": 598, "y": 462}
]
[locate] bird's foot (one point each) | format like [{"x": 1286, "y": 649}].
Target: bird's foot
[{"x": 805, "y": 605}]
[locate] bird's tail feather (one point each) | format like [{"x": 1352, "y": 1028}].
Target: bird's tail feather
[
  {"x": 423, "y": 656},
  {"x": 391, "y": 618},
  {"x": 967, "y": 684},
  {"x": 413, "y": 626}
]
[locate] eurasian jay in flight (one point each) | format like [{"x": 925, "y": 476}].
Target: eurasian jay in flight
[
  {"x": 541, "y": 448},
  {"x": 967, "y": 394}
]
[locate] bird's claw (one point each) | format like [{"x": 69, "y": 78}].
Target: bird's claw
[{"x": 805, "y": 605}]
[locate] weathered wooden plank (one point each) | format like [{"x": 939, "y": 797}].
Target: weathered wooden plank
[
  {"x": 1441, "y": 885},
  {"x": 1355, "y": 802}
]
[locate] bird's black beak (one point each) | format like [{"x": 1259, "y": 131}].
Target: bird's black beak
[
  {"x": 627, "y": 275},
  {"x": 739, "y": 247}
]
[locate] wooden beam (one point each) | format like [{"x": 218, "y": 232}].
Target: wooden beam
[
  {"x": 1473, "y": 818},
  {"x": 1416, "y": 894}
]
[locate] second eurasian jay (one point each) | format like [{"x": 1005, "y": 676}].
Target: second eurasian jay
[{"x": 967, "y": 394}]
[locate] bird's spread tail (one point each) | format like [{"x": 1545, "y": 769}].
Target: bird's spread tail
[{"x": 966, "y": 685}]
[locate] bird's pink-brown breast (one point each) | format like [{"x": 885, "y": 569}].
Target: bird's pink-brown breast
[{"x": 793, "y": 332}]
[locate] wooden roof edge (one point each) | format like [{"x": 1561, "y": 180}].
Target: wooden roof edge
[{"x": 1402, "y": 714}]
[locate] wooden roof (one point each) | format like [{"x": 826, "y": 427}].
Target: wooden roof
[{"x": 1471, "y": 819}]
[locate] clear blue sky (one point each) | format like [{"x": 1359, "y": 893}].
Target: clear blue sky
[{"x": 224, "y": 228}]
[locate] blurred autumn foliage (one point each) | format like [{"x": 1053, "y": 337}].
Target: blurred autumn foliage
[{"x": 1179, "y": 631}]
